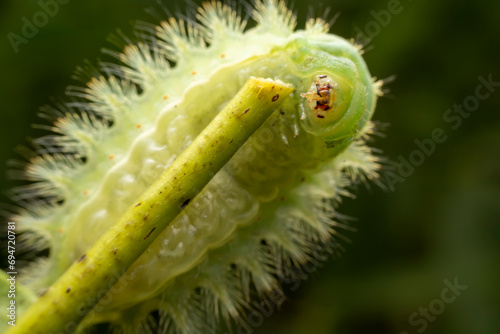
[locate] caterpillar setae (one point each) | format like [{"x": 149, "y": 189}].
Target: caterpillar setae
[{"x": 267, "y": 213}]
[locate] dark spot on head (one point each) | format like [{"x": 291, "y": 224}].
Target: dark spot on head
[
  {"x": 186, "y": 202},
  {"x": 145, "y": 217},
  {"x": 282, "y": 112},
  {"x": 68, "y": 290},
  {"x": 233, "y": 266},
  {"x": 321, "y": 116},
  {"x": 82, "y": 257},
  {"x": 276, "y": 97},
  {"x": 138, "y": 204},
  {"x": 114, "y": 251},
  {"x": 323, "y": 107},
  {"x": 147, "y": 236}
]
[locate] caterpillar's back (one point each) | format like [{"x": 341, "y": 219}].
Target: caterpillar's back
[{"x": 266, "y": 213}]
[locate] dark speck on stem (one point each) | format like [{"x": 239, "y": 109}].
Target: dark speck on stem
[
  {"x": 245, "y": 111},
  {"x": 186, "y": 202},
  {"x": 147, "y": 236}
]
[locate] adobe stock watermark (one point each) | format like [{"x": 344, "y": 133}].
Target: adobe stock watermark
[
  {"x": 425, "y": 147},
  {"x": 425, "y": 315},
  {"x": 31, "y": 26},
  {"x": 381, "y": 19}
]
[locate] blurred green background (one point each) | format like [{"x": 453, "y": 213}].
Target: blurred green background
[{"x": 441, "y": 223}]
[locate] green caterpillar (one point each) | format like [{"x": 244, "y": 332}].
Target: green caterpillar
[{"x": 268, "y": 212}]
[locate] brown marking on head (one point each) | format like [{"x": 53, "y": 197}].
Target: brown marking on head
[{"x": 321, "y": 96}]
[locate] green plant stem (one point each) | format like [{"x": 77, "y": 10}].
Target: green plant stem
[{"x": 67, "y": 301}]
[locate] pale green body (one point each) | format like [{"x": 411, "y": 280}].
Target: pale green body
[{"x": 280, "y": 187}]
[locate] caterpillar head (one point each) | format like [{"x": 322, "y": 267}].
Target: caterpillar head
[{"x": 337, "y": 93}]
